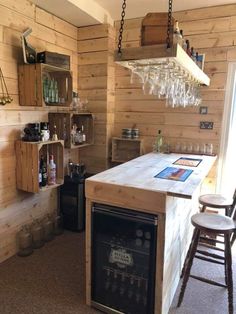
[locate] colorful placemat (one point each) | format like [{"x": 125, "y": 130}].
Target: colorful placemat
[
  {"x": 172, "y": 173},
  {"x": 185, "y": 161}
]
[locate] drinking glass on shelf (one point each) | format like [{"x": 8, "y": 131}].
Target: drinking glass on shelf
[
  {"x": 183, "y": 147},
  {"x": 189, "y": 148},
  {"x": 177, "y": 147},
  {"x": 209, "y": 149},
  {"x": 196, "y": 148},
  {"x": 202, "y": 148}
]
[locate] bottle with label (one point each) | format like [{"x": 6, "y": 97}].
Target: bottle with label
[
  {"x": 198, "y": 62},
  {"x": 83, "y": 134},
  {"x": 73, "y": 133},
  {"x": 40, "y": 175},
  {"x": 78, "y": 137},
  {"x": 51, "y": 171},
  {"x": 188, "y": 50},
  {"x": 177, "y": 37},
  {"x": 43, "y": 170},
  {"x": 193, "y": 54},
  {"x": 159, "y": 142}
]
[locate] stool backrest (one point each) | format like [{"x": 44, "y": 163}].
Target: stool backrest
[{"x": 233, "y": 207}]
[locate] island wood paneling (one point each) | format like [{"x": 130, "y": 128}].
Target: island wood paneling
[
  {"x": 96, "y": 84},
  {"x": 211, "y": 31},
  {"x": 49, "y": 33}
]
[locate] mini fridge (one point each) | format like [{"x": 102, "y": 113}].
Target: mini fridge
[{"x": 123, "y": 260}]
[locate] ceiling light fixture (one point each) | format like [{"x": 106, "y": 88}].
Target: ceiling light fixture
[{"x": 164, "y": 70}]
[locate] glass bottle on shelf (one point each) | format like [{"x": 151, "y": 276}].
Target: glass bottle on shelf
[
  {"x": 76, "y": 104},
  {"x": 83, "y": 134},
  {"x": 193, "y": 54},
  {"x": 56, "y": 100},
  {"x": 51, "y": 171},
  {"x": 188, "y": 50},
  {"x": 73, "y": 133},
  {"x": 43, "y": 170},
  {"x": 78, "y": 137},
  {"x": 40, "y": 175},
  {"x": 46, "y": 89},
  {"x": 177, "y": 37},
  {"x": 158, "y": 143}
]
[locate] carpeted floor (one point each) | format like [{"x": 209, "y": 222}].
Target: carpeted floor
[{"x": 52, "y": 281}]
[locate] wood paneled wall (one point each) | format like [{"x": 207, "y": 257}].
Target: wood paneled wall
[
  {"x": 49, "y": 33},
  {"x": 211, "y": 31},
  {"x": 114, "y": 101},
  {"x": 96, "y": 83}
]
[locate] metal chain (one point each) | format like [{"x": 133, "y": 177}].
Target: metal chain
[
  {"x": 122, "y": 21},
  {"x": 169, "y": 24}
]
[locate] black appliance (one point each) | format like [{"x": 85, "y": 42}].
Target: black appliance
[
  {"x": 72, "y": 203},
  {"x": 123, "y": 260}
]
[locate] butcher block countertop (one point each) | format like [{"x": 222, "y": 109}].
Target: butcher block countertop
[{"x": 140, "y": 174}]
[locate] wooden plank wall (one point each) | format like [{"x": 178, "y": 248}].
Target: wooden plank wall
[
  {"x": 96, "y": 84},
  {"x": 211, "y": 31},
  {"x": 49, "y": 33}
]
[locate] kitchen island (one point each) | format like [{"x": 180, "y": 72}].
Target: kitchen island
[{"x": 154, "y": 184}]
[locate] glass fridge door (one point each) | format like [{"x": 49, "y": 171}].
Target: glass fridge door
[{"x": 123, "y": 260}]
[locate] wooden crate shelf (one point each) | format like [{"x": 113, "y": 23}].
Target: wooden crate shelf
[
  {"x": 64, "y": 122},
  {"x": 31, "y": 78},
  {"x": 124, "y": 149},
  {"x": 27, "y": 164}
]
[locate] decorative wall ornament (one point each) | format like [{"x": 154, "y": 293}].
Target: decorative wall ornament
[{"x": 5, "y": 98}]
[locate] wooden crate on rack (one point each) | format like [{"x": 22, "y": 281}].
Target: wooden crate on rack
[
  {"x": 27, "y": 163},
  {"x": 64, "y": 122},
  {"x": 154, "y": 29},
  {"x": 124, "y": 149},
  {"x": 31, "y": 78}
]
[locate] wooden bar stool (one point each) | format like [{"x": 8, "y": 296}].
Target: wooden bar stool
[
  {"x": 218, "y": 201},
  {"x": 215, "y": 224}
]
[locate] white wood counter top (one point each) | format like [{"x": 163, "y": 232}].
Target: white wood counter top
[{"x": 140, "y": 174}]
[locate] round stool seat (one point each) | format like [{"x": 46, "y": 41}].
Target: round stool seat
[
  {"x": 215, "y": 200},
  {"x": 213, "y": 223}
]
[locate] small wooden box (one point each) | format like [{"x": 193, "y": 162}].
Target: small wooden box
[
  {"x": 55, "y": 59},
  {"x": 154, "y": 29},
  {"x": 124, "y": 149}
]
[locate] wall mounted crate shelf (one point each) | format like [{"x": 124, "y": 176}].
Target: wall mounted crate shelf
[
  {"x": 124, "y": 149},
  {"x": 28, "y": 156},
  {"x": 64, "y": 122},
  {"x": 32, "y": 81}
]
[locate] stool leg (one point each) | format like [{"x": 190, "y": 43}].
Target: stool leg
[
  {"x": 228, "y": 262},
  {"x": 187, "y": 256},
  {"x": 189, "y": 263},
  {"x": 202, "y": 210}
]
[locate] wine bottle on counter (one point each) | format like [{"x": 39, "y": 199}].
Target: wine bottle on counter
[{"x": 159, "y": 142}]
